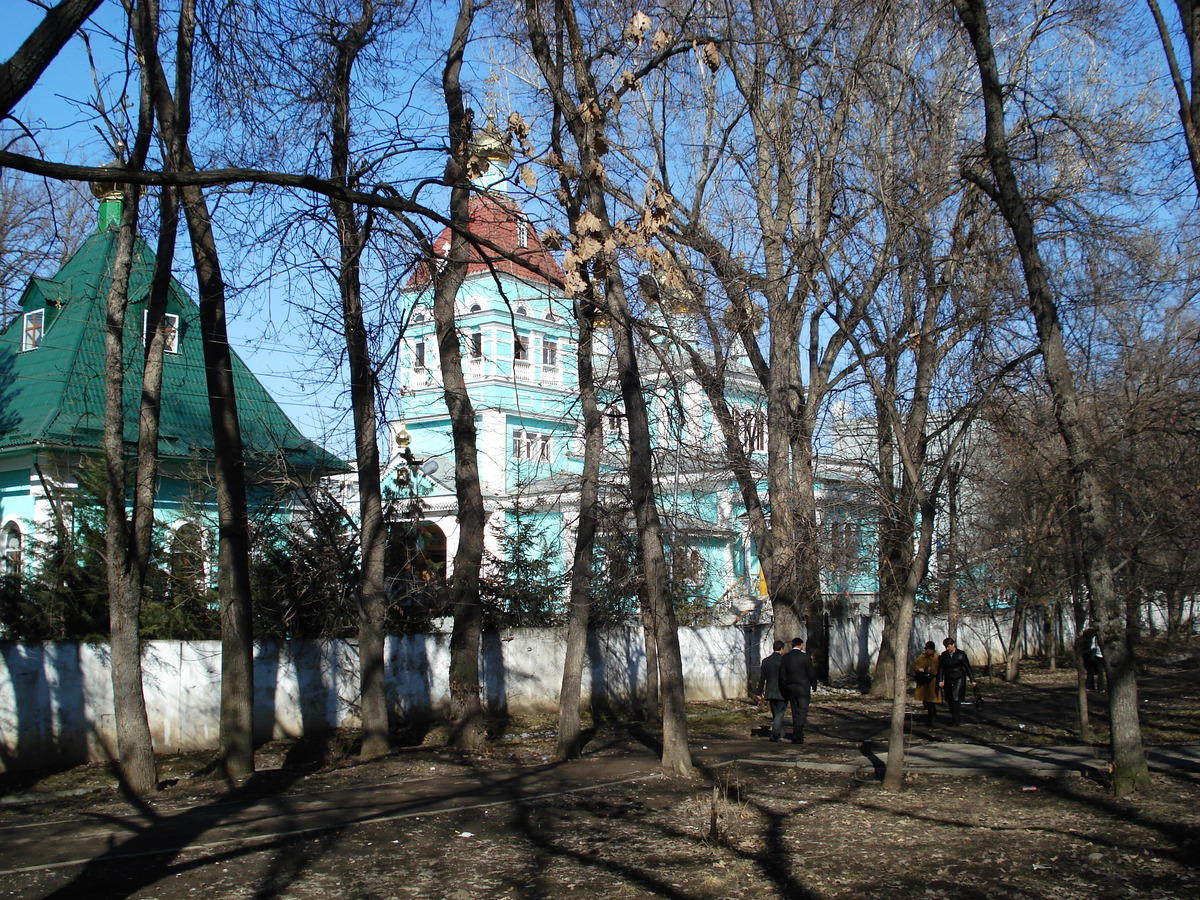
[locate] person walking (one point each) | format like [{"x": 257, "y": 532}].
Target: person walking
[
  {"x": 797, "y": 677},
  {"x": 1093, "y": 660},
  {"x": 771, "y": 690},
  {"x": 925, "y": 670},
  {"x": 954, "y": 674}
]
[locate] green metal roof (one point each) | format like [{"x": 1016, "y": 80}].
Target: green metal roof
[{"x": 54, "y": 395}]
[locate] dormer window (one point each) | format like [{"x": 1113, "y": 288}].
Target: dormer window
[
  {"x": 35, "y": 329},
  {"x": 522, "y": 233},
  {"x": 170, "y": 328}
]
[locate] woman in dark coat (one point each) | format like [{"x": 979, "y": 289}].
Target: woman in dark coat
[{"x": 954, "y": 673}]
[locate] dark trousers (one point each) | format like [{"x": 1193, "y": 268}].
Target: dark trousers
[
  {"x": 799, "y": 716},
  {"x": 955, "y": 711},
  {"x": 1095, "y": 673},
  {"x": 930, "y": 711},
  {"x": 955, "y": 692},
  {"x": 778, "y": 708}
]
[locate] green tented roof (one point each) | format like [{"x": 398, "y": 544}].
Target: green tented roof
[{"x": 54, "y": 395}]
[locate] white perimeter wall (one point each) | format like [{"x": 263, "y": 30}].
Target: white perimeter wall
[{"x": 56, "y": 704}]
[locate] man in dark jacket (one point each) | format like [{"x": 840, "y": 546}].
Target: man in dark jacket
[
  {"x": 954, "y": 674},
  {"x": 797, "y": 679},
  {"x": 770, "y": 689}
]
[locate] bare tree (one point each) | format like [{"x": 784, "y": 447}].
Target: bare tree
[
  {"x": 1003, "y": 187},
  {"x": 567, "y": 70},
  {"x": 467, "y": 729},
  {"x": 774, "y": 99},
  {"x": 1184, "y": 79},
  {"x": 347, "y": 40},
  {"x": 173, "y": 108}
]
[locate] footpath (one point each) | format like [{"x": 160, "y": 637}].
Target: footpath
[{"x": 77, "y": 840}]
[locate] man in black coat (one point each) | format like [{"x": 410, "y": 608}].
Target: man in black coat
[
  {"x": 797, "y": 679},
  {"x": 770, "y": 689},
  {"x": 954, "y": 674}
]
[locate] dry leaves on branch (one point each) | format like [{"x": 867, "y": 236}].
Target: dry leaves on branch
[
  {"x": 552, "y": 239},
  {"x": 519, "y": 129},
  {"x": 635, "y": 31}
]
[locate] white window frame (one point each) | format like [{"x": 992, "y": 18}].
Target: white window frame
[
  {"x": 13, "y": 547},
  {"x": 171, "y": 323},
  {"x": 752, "y": 430},
  {"x": 33, "y": 329},
  {"x": 419, "y": 354},
  {"x": 549, "y": 353},
  {"x": 530, "y": 446},
  {"x": 522, "y": 233}
]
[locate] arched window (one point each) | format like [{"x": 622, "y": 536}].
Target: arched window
[
  {"x": 522, "y": 311},
  {"x": 12, "y": 550},
  {"x": 475, "y": 307}
]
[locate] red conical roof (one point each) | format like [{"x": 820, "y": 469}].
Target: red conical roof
[{"x": 498, "y": 220}]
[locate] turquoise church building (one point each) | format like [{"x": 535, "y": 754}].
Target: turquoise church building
[{"x": 519, "y": 356}]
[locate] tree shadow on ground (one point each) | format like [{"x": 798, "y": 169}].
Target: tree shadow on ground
[{"x": 159, "y": 839}]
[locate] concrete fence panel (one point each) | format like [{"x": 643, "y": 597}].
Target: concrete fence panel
[{"x": 56, "y": 703}]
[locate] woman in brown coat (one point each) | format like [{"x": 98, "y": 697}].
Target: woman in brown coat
[{"x": 925, "y": 669}]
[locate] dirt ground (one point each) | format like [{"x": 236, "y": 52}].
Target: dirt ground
[{"x": 746, "y": 829}]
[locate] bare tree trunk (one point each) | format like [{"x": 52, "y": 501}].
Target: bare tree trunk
[
  {"x": 135, "y": 749},
  {"x": 467, "y": 730},
  {"x": 233, "y": 560},
  {"x": 570, "y": 740},
  {"x": 893, "y": 775},
  {"x": 587, "y": 133},
  {"x": 1081, "y": 694},
  {"x": 1129, "y": 759},
  {"x": 897, "y": 524},
  {"x": 1188, "y": 94},
  {"x": 1016, "y": 639},
  {"x": 352, "y": 240},
  {"x": 650, "y": 642},
  {"x": 1050, "y": 634},
  {"x": 128, "y": 545},
  {"x": 953, "y": 610},
  {"x": 676, "y": 756},
  {"x": 1174, "y": 612}
]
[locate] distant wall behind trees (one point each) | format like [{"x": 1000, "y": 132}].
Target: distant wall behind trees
[{"x": 56, "y": 697}]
